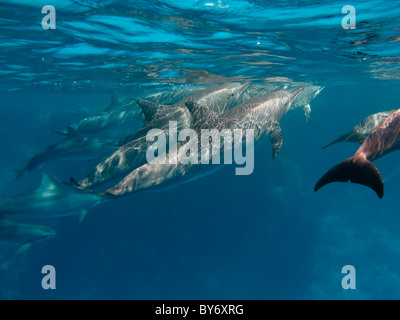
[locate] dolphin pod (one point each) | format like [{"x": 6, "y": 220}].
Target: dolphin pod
[
  {"x": 132, "y": 153},
  {"x": 231, "y": 106},
  {"x": 262, "y": 114},
  {"x": 235, "y": 107}
]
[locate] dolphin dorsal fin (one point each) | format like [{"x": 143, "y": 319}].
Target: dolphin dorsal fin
[
  {"x": 47, "y": 184},
  {"x": 115, "y": 101},
  {"x": 149, "y": 109},
  {"x": 114, "y": 97},
  {"x": 201, "y": 114},
  {"x": 118, "y": 101}
]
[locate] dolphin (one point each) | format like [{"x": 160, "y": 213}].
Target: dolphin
[
  {"x": 132, "y": 153},
  {"x": 303, "y": 100},
  {"x": 382, "y": 140},
  {"x": 51, "y": 200},
  {"x": 24, "y": 234},
  {"x": 74, "y": 148},
  {"x": 363, "y": 129},
  {"x": 121, "y": 109},
  {"x": 263, "y": 114}
]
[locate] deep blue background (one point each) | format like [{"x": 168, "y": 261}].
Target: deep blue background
[{"x": 263, "y": 236}]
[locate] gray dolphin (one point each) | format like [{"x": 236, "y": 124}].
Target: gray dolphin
[
  {"x": 75, "y": 148},
  {"x": 382, "y": 140},
  {"x": 50, "y": 200},
  {"x": 361, "y": 131},
  {"x": 24, "y": 234},
  {"x": 121, "y": 108},
  {"x": 303, "y": 100},
  {"x": 132, "y": 153},
  {"x": 263, "y": 114}
]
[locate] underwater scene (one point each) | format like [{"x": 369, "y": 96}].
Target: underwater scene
[{"x": 199, "y": 149}]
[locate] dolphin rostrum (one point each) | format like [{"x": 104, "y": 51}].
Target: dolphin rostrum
[
  {"x": 262, "y": 114},
  {"x": 132, "y": 153},
  {"x": 363, "y": 129},
  {"x": 382, "y": 140},
  {"x": 121, "y": 108}
]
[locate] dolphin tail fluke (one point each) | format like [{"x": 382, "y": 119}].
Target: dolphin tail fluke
[
  {"x": 351, "y": 136},
  {"x": 357, "y": 170}
]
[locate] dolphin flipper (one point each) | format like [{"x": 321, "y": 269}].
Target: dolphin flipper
[
  {"x": 23, "y": 247},
  {"x": 352, "y": 136},
  {"x": 276, "y": 139},
  {"x": 357, "y": 170}
]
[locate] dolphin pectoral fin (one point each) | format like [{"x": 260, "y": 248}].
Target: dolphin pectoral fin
[
  {"x": 82, "y": 216},
  {"x": 351, "y": 136},
  {"x": 357, "y": 170},
  {"x": 148, "y": 108},
  {"x": 23, "y": 247},
  {"x": 276, "y": 139},
  {"x": 307, "y": 111}
]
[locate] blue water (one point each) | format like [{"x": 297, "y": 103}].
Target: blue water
[{"x": 263, "y": 236}]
